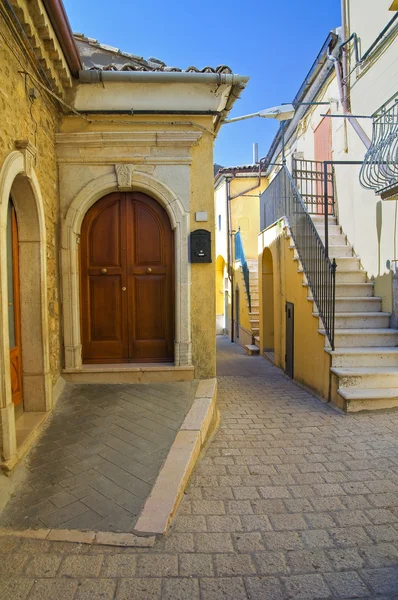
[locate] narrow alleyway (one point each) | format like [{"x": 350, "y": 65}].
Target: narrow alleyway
[{"x": 291, "y": 500}]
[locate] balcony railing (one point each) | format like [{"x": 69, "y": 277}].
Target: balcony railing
[
  {"x": 240, "y": 255},
  {"x": 309, "y": 176},
  {"x": 282, "y": 199},
  {"x": 379, "y": 170}
]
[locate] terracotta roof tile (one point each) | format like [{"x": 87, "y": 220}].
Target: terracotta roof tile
[{"x": 102, "y": 57}]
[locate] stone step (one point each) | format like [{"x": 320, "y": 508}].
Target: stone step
[
  {"x": 364, "y": 357},
  {"x": 345, "y": 338},
  {"x": 348, "y": 263},
  {"x": 254, "y": 296},
  {"x": 255, "y": 330},
  {"x": 358, "y": 399},
  {"x": 252, "y": 349},
  {"x": 367, "y": 377},
  {"x": 339, "y": 251},
  {"x": 344, "y": 263},
  {"x": 358, "y": 304},
  {"x": 359, "y": 320},
  {"x": 257, "y": 340},
  {"x": 344, "y": 276},
  {"x": 350, "y": 290},
  {"x": 335, "y": 239},
  {"x": 333, "y": 228},
  {"x": 353, "y": 304},
  {"x": 321, "y": 219},
  {"x": 351, "y": 276}
]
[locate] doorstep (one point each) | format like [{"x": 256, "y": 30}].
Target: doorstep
[
  {"x": 130, "y": 373},
  {"x": 27, "y": 428}
]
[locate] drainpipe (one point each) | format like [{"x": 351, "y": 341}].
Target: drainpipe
[
  {"x": 229, "y": 253},
  {"x": 353, "y": 121},
  {"x": 344, "y": 57}
]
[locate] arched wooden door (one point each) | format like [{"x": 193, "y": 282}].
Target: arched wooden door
[{"x": 127, "y": 281}]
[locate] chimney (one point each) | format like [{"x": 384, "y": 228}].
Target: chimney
[{"x": 255, "y": 153}]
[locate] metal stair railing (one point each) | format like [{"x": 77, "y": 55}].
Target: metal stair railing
[
  {"x": 282, "y": 199},
  {"x": 240, "y": 255}
]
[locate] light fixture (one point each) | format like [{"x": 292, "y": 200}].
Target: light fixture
[{"x": 284, "y": 112}]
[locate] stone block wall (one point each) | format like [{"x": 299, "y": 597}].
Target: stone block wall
[{"x": 35, "y": 121}]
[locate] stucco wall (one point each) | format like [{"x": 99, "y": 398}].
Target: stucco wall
[
  {"x": 312, "y": 367},
  {"x": 33, "y": 121},
  {"x": 182, "y": 162},
  {"x": 203, "y": 290},
  {"x": 245, "y": 212}
]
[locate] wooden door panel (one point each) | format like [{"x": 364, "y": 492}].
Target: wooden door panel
[
  {"x": 106, "y": 308},
  {"x": 148, "y": 237},
  {"x": 105, "y": 246},
  {"x": 150, "y": 325},
  {"x": 103, "y": 275},
  {"x": 127, "y": 244},
  {"x": 150, "y": 298},
  {"x": 150, "y": 280}
]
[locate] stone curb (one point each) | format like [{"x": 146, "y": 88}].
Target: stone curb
[
  {"x": 100, "y": 538},
  {"x": 162, "y": 504}
]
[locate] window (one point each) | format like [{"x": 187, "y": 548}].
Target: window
[{"x": 219, "y": 222}]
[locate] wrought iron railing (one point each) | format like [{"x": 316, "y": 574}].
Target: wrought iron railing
[
  {"x": 379, "y": 170},
  {"x": 309, "y": 176},
  {"x": 282, "y": 199},
  {"x": 240, "y": 255}
]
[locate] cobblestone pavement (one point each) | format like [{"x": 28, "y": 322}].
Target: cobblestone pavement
[
  {"x": 97, "y": 460},
  {"x": 292, "y": 500}
]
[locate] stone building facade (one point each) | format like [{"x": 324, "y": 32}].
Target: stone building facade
[{"x": 70, "y": 139}]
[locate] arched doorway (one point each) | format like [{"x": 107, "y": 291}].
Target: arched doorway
[
  {"x": 267, "y": 302},
  {"x": 127, "y": 281},
  {"x": 25, "y": 363},
  {"x": 220, "y": 296},
  {"x": 237, "y": 313},
  {"x": 14, "y": 310}
]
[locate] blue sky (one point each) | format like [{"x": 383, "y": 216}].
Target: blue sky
[{"x": 273, "y": 42}]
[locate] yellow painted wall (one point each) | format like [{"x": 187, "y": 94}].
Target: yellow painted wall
[
  {"x": 203, "y": 276},
  {"x": 203, "y": 291},
  {"x": 245, "y": 212},
  {"x": 311, "y": 362},
  {"x": 220, "y": 265},
  {"x": 35, "y": 121}
]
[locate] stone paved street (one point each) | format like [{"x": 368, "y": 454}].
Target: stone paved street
[
  {"x": 96, "y": 462},
  {"x": 292, "y": 500}
]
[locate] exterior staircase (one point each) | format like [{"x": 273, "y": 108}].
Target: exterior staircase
[
  {"x": 254, "y": 313},
  {"x": 364, "y": 363}
]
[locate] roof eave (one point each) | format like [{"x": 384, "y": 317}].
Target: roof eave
[{"x": 60, "y": 22}]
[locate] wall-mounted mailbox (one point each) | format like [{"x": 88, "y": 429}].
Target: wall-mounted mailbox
[{"x": 200, "y": 246}]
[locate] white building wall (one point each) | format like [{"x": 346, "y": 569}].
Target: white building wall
[{"x": 369, "y": 222}]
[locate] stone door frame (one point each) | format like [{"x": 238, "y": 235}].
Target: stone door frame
[
  {"x": 18, "y": 179},
  {"x": 123, "y": 180}
]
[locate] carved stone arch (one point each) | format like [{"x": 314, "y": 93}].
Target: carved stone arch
[
  {"x": 71, "y": 227},
  {"x": 18, "y": 179}
]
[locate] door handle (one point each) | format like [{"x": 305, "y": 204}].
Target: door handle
[
  {"x": 149, "y": 270},
  {"x": 104, "y": 271},
  {"x": 124, "y": 289}
]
